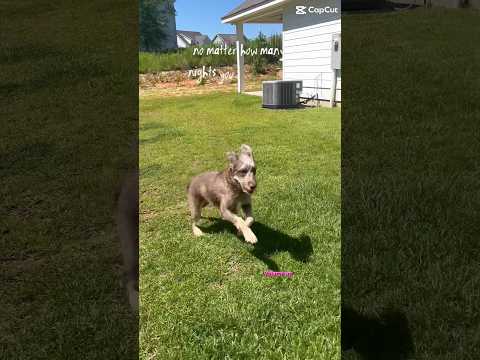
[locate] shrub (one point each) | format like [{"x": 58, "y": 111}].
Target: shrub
[
  {"x": 184, "y": 59},
  {"x": 259, "y": 65}
]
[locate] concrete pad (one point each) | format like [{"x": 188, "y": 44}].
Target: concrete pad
[{"x": 254, "y": 93}]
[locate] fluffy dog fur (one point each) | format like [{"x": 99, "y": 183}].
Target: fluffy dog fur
[{"x": 227, "y": 190}]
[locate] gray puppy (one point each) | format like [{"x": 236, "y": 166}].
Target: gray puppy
[{"x": 227, "y": 190}]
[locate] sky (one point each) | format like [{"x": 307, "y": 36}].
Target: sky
[{"x": 204, "y": 16}]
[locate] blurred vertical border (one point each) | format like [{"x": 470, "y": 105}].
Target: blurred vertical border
[
  {"x": 410, "y": 180},
  {"x": 69, "y": 129}
]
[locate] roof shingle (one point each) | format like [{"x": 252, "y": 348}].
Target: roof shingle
[{"x": 190, "y": 34}]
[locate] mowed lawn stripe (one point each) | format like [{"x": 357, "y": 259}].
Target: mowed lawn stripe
[{"x": 206, "y": 297}]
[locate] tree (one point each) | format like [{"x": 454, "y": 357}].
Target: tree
[{"x": 153, "y": 19}]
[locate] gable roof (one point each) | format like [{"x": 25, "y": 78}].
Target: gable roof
[
  {"x": 246, "y": 5},
  {"x": 228, "y": 39},
  {"x": 202, "y": 39},
  {"x": 193, "y": 37},
  {"x": 190, "y": 34},
  {"x": 231, "y": 37}
]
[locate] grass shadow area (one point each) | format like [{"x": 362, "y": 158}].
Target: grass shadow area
[
  {"x": 383, "y": 336},
  {"x": 410, "y": 162},
  {"x": 68, "y": 99},
  {"x": 213, "y": 311},
  {"x": 270, "y": 242}
]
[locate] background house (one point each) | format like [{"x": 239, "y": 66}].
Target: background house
[
  {"x": 308, "y": 41},
  {"x": 226, "y": 39},
  {"x": 191, "y": 38}
]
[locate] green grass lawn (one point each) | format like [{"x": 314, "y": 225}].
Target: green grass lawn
[
  {"x": 67, "y": 113},
  {"x": 410, "y": 173},
  {"x": 206, "y": 298}
]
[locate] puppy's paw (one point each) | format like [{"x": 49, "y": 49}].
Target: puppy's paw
[
  {"x": 250, "y": 236},
  {"x": 196, "y": 231},
  {"x": 249, "y": 221}
]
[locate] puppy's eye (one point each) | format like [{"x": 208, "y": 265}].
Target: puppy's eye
[{"x": 243, "y": 172}]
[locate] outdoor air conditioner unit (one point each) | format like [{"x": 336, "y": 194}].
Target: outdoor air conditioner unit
[{"x": 281, "y": 94}]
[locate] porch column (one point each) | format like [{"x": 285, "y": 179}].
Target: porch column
[{"x": 240, "y": 59}]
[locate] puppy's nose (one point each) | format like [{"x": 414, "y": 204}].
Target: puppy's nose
[{"x": 253, "y": 186}]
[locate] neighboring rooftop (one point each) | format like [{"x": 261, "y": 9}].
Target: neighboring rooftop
[
  {"x": 190, "y": 34},
  {"x": 229, "y": 39},
  {"x": 228, "y": 36},
  {"x": 202, "y": 40},
  {"x": 193, "y": 37}
]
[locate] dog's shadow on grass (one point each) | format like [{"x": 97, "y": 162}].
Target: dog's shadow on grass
[{"x": 270, "y": 241}]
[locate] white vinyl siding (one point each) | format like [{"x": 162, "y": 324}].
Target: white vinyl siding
[
  {"x": 218, "y": 41},
  {"x": 181, "y": 43},
  {"x": 307, "y": 57}
]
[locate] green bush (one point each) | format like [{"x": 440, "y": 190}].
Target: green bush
[
  {"x": 259, "y": 65},
  {"x": 184, "y": 59}
]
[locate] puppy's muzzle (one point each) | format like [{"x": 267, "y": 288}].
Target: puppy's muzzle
[{"x": 251, "y": 188}]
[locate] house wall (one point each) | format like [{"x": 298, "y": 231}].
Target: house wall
[
  {"x": 181, "y": 43},
  {"x": 218, "y": 41},
  {"x": 307, "y": 47}
]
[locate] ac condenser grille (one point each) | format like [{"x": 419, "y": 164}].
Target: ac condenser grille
[{"x": 281, "y": 94}]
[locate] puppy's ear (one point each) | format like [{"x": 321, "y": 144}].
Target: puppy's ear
[
  {"x": 246, "y": 149},
  {"x": 231, "y": 156}
]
